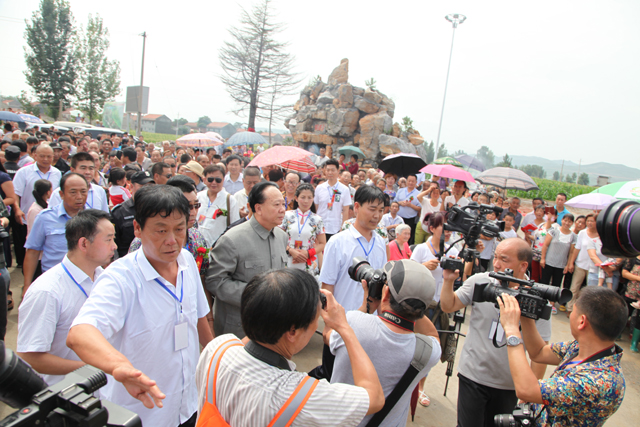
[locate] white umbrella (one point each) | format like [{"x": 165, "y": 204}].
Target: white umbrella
[
  {"x": 507, "y": 178},
  {"x": 595, "y": 201}
]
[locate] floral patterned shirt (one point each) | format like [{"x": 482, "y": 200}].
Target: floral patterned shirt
[
  {"x": 633, "y": 288},
  {"x": 195, "y": 240},
  {"x": 381, "y": 230},
  {"x": 584, "y": 394},
  {"x": 302, "y": 229}
]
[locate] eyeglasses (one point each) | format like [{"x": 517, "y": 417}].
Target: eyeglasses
[
  {"x": 195, "y": 206},
  {"x": 168, "y": 176},
  {"x": 216, "y": 179}
]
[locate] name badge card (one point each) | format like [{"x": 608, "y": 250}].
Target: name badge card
[
  {"x": 181, "y": 336},
  {"x": 499, "y": 332}
]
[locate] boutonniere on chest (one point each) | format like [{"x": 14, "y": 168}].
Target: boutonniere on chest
[
  {"x": 203, "y": 254},
  {"x": 411, "y": 199},
  {"x": 219, "y": 212},
  {"x": 336, "y": 191}
]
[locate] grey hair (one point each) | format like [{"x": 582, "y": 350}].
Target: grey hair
[{"x": 401, "y": 228}]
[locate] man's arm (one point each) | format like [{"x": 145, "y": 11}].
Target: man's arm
[
  {"x": 91, "y": 346},
  {"x": 345, "y": 212},
  {"x": 30, "y": 263},
  {"x": 48, "y": 364},
  {"x": 449, "y": 301},
  {"x": 328, "y": 287},
  {"x": 204, "y": 332},
  {"x": 220, "y": 281},
  {"x": 364, "y": 373}
]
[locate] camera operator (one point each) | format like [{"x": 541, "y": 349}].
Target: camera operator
[
  {"x": 588, "y": 385},
  {"x": 409, "y": 290},
  {"x": 485, "y": 387}
]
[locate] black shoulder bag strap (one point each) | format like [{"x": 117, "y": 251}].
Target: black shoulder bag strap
[{"x": 421, "y": 357}]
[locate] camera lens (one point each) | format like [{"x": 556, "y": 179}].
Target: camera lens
[
  {"x": 506, "y": 420},
  {"x": 553, "y": 293},
  {"x": 18, "y": 382},
  {"x": 619, "y": 229}
]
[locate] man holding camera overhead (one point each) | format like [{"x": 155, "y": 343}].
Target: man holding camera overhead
[
  {"x": 486, "y": 388},
  {"x": 588, "y": 385}
]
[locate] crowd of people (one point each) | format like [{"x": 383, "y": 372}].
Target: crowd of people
[{"x": 192, "y": 279}]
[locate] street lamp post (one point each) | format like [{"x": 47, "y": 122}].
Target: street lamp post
[{"x": 455, "y": 19}]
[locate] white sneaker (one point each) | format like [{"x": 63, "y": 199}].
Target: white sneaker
[{"x": 554, "y": 310}]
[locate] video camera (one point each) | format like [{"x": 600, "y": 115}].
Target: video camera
[
  {"x": 619, "y": 228},
  {"x": 471, "y": 222},
  {"x": 521, "y": 416},
  {"x": 361, "y": 270},
  {"x": 532, "y": 297},
  {"x": 68, "y": 403}
]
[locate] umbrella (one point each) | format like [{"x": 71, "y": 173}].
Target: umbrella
[
  {"x": 31, "y": 119},
  {"x": 305, "y": 165},
  {"x": 595, "y": 201},
  {"x": 198, "y": 140},
  {"x": 402, "y": 164},
  {"x": 629, "y": 190},
  {"x": 447, "y": 161},
  {"x": 280, "y": 155},
  {"x": 448, "y": 171},
  {"x": 8, "y": 116},
  {"x": 245, "y": 138},
  {"x": 470, "y": 162},
  {"x": 349, "y": 150},
  {"x": 215, "y": 135},
  {"x": 507, "y": 178}
]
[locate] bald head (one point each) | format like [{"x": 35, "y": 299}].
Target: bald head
[
  {"x": 44, "y": 156},
  {"x": 42, "y": 148},
  {"x": 513, "y": 253}
]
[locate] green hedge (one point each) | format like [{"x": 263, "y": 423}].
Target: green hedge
[
  {"x": 549, "y": 189},
  {"x": 158, "y": 137}
]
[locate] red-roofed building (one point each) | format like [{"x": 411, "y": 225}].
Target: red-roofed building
[
  {"x": 156, "y": 123},
  {"x": 223, "y": 128},
  {"x": 275, "y": 137}
]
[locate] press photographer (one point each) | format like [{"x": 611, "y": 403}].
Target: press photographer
[
  {"x": 485, "y": 386},
  {"x": 588, "y": 385}
]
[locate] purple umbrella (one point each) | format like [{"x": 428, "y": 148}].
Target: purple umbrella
[
  {"x": 471, "y": 162},
  {"x": 595, "y": 201}
]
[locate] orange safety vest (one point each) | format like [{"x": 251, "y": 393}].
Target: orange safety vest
[{"x": 210, "y": 416}]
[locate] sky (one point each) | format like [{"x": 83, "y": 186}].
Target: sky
[{"x": 555, "y": 79}]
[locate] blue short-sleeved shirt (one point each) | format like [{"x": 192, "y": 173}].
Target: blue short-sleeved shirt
[
  {"x": 48, "y": 235},
  {"x": 561, "y": 215}
]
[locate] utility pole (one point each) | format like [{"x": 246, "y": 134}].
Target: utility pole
[
  {"x": 144, "y": 43},
  {"x": 561, "y": 169},
  {"x": 455, "y": 19}
]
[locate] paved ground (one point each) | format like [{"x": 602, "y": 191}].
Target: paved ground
[{"x": 442, "y": 411}]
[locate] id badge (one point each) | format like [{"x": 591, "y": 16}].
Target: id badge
[
  {"x": 330, "y": 206},
  {"x": 181, "y": 336},
  {"x": 297, "y": 244},
  {"x": 337, "y": 197},
  {"x": 500, "y": 332},
  {"x": 201, "y": 219}
]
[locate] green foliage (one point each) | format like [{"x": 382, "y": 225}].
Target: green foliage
[
  {"x": 315, "y": 80},
  {"x": 459, "y": 152},
  {"x": 506, "y": 162},
  {"x": 26, "y": 104},
  {"x": 157, "y": 137},
  {"x": 288, "y": 140},
  {"x": 556, "y": 176},
  {"x": 203, "y": 121},
  {"x": 180, "y": 122},
  {"x": 571, "y": 178},
  {"x": 548, "y": 190},
  {"x": 583, "y": 179},
  {"x": 51, "y": 62},
  {"x": 535, "y": 171},
  {"x": 407, "y": 124},
  {"x": 100, "y": 78},
  {"x": 486, "y": 156},
  {"x": 430, "y": 149},
  {"x": 371, "y": 83},
  {"x": 442, "y": 151}
]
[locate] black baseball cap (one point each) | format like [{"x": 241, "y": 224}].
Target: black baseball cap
[
  {"x": 56, "y": 145},
  {"x": 12, "y": 153},
  {"x": 142, "y": 178}
]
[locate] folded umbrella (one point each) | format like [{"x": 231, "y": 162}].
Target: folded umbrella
[{"x": 448, "y": 171}]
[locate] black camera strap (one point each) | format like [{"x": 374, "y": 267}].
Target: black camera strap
[
  {"x": 396, "y": 320},
  {"x": 267, "y": 356}
]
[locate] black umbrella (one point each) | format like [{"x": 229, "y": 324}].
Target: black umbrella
[{"x": 402, "y": 164}]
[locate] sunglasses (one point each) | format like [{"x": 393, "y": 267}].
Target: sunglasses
[
  {"x": 195, "y": 206},
  {"x": 216, "y": 179}
]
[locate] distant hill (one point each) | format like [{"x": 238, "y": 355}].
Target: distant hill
[{"x": 614, "y": 172}]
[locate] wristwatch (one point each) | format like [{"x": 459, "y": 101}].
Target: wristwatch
[{"x": 513, "y": 340}]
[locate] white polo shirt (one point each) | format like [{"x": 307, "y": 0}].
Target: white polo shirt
[
  {"x": 49, "y": 307},
  {"x": 452, "y": 199},
  {"x": 211, "y": 219},
  {"x": 232, "y": 186},
  {"x": 338, "y": 257},
  {"x": 241, "y": 198},
  {"x": 96, "y": 199},
  {"x": 138, "y": 317},
  {"x": 27, "y": 176},
  {"x": 388, "y": 220},
  {"x": 332, "y": 218}
]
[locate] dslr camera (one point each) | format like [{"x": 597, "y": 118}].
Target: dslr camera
[
  {"x": 619, "y": 229},
  {"x": 532, "y": 297},
  {"x": 521, "y": 416},
  {"x": 470, "y": 222},
  {"x": 71, "y": 402},
  {"x": 361, "y": 270}
]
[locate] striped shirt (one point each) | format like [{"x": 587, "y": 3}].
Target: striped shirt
[{"x": 250, "y": 392}]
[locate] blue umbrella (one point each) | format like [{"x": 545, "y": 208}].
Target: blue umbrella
[
  {"x": 245, "y": 138},
  {"x": 471, "y": 162},
  {"x": 31, "y": 119},
  {"x": 8, "y": 116}
]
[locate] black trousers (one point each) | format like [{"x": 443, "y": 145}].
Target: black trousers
[
  {"x": 328, "y": 236},
  {"x": 552, "y": 275},
  {"x": 325, "y": 370},
  {"x": 191, "y": 422},
  {"x": 19, "y": 233},
  {"x": 411, "y": 222},
  {"x": 478, "y": 404}
]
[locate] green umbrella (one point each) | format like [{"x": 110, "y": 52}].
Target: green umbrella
[
  {"x": 349, "y": 150},
  {"x": 447, "y": 161},
  {"x": 629, "y": 190}
]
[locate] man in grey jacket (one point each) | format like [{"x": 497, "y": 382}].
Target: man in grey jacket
[{"x": 242, "y": 252}]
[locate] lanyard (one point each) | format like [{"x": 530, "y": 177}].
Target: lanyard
[
  {"x": 434, "y": 249},
  {"x": 373, "y": 242},
  {"x": 171, "y": 292},
  {"x": 40, "y": 175},
  {"x": 90, "y": 205},
  {"x": 332, "y": 191},
  {"x": 74, "y": 280},
  {"x": 609, "y": 351},
  {"x": 305, "y": 221}
]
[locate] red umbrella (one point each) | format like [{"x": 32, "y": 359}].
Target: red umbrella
[
  {"x": 279, "y": 155},
  {"x": 303, "y": 165},
  {"x": 448, "y": 171}
]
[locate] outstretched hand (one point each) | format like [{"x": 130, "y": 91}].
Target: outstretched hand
[{"x": 139, "y": 386}]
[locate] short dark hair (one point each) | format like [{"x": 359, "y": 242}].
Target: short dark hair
[
  {"x": 130, "y": 153},
  {"x": 213, "y": 168},
  {"x": 412, "y": 175},
  {"x": 32, "y": 140},
  {"x": 606, "y": 311},
  {"x": 233, "y": 157},
  {"x": 183, "y": 182},
  {"x": 538, "y": 199},
  {"x": 256, "y": 195},
  {"x": 293, "y": 173},
  {"x": 217, "y": 157},
  {"x": 185, "y": 158},
  {"x": 210, "y": 149},
  {"x": 579, "y": 217},
  {"x": 332, "y": 162},
  {"x": 20, "y": 144},
  {"x": 66, "y": 177},
  {"x": 163, "y": 200},
  {"x": 81, "y": 157},
  {"x": 251, "y": 171},
  {"x": 434, "y": 220},
  {"x": 274, "y": 302},
  {"x": 227, "y": 150},
  {"x": 411, "y": 309},
  {"x": 85, "y": 224},
  {"x": 115, "y": 153},
  {"x": 275, "y": 175},
  {"x": 158, "y": 167},
  {"x": 510, "y": 214},
  {"x": 562, "y": 194},
  {"x": 569, "y": 216},
  {"x": 116, "y": 174},
  {"x": 368, "y": 194}
]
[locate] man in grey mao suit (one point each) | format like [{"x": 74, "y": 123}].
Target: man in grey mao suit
[{"x": 242, "y": 252}]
